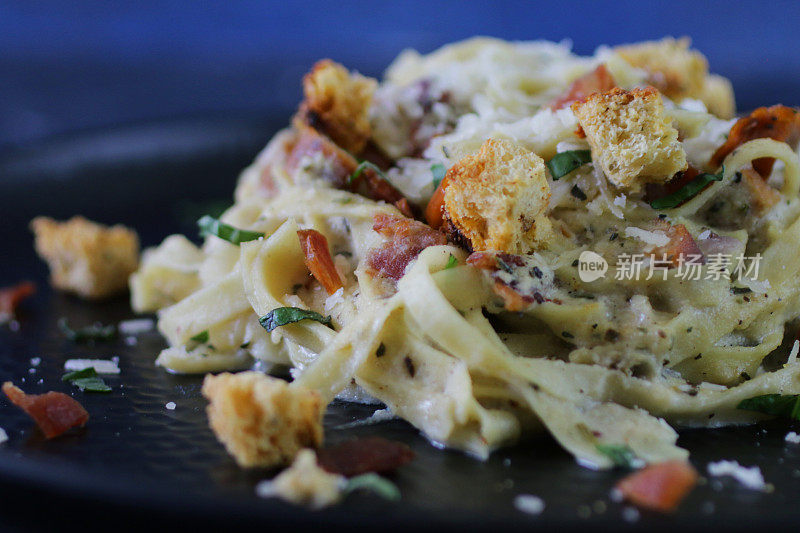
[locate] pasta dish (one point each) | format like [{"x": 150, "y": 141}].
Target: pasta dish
[{"x": 503, "y": 238}]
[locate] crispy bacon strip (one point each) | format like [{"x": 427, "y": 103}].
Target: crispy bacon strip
[
  {"x": 762, "y": 196},
  {"x": 53, "y": 412},
  {"x": 318, "y": 259},
  {"x": 406, "y": 239},
  {"x": 659, "y": 487},
  {"x": 681, "y": 246},
  {"x": 778, "y": 122},
  {"x": 513, "y": 300},
  {"x": 359, "y": 456},
  {"x": 597, "y": 81},
  {"x": 11, "y": 297}
]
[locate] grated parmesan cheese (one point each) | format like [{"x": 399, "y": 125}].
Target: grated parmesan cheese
[
  {"x": 528, "y": 503},
  {"x": 135, "y": 326},
  {"x": 656, "y": 238},
  {"x": 793, "y": 437},
  {"x": 793, "y": 353},
  {"x": 171, "y": 406},
  {"x": 101, "y": 366},
  {"x": 751, "y": 477},
  {"x": 3, "y": 435}
]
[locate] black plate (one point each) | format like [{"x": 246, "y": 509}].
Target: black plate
[{"x": 136, "y": 462}]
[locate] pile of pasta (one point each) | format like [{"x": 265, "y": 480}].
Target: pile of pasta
[{"x": 445, "y": 342}]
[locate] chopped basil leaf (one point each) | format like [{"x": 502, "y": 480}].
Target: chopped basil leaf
[
  {"x": 619, "y": 454},
  {"x": 565, "y": 162},
  {"x": 95, "y": 332},
  {"x": 287, "y": 315},
  {"x": 86, "y": 380},
  {"x": 360, "y": 170},
  {"x": 438, "y": 170},
  {"x": 787, "y": 406},
  {"x": 451, "y": 262},
  {"x": 374, "y": 483},
  {"x": 200, "y": 338},
  {"x": 687, "y": 192},
  {"x": 212, "y": 226}
]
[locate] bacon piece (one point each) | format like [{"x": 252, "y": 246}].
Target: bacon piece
[
  {"x": 53, "y": 412},
  {"x": 513, "y": 300},
  {"x": 434, "y": 212},
  {"x": 359, "y": 456},
  {"x": 11, "y": 297},
  {"x": 407, "y": 238},
  {"x": 681, "y": 246},
  {"x": 762, "y": 196},
  {"x": 778, "y": 122},
  {"x": 597, "y": 81},
  {"x": 659, "y": 487},
  {"x": 318, "y": 259}
]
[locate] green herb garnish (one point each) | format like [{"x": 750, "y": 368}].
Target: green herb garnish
[
  {"x": 619, "y": 454},
  {"x": 687, "y": 192},
  {"x": 86, "y": 380},
  {"x": 565, "y": 162},
  {"x": 95, "y": 332},
  {"x": 438, "y": 170},
  {"x": 451, "y": 262},
  {"x": 374, "y": 483},
  {"x": 200, "y": 338},
  {"x": 360, "y": 170},
  {"x": 787, "y": 406},
  {"x": 288, "y": 315},
  {"x": 212, "y": 226}
]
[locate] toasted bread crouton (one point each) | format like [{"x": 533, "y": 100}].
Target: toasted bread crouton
[
  {"x": 337, "y": 103},
  {"x": 675, "y": 70},
  {"x": 89, "y": 259},
  {"x": 631, "y": 138},
  {"x": 718, "y": 96},
  {"x": 680, "y": 72},
  {"x": 261, "y": 420},
  {"x": 305, "y": 483},
  {"x": 497, "y": 198}
]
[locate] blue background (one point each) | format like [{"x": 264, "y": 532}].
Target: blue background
[{"x": 74, "y": 65}]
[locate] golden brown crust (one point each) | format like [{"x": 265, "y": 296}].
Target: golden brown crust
[
  {"x": 92, "y": 260},
  {"x": 631, "y": 138},
  {"x": 261, "y": 420},
  {"x": 337, "y": 103},
  {"x": 497, "y": 198}
]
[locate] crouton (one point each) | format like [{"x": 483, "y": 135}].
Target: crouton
[
  {"x": 337, "y": 103},
  {"x": 675, "y": 70},
  {"x": 261, "y": 420},
  {"x": 680, "y": 72},
  {"x": 497, "y": 198},
  {"x": 631, "y": 138},
  {"x": 718, "y": 96},
  {"x": 305, "y": 483},
  {"x": 89, "y": 259}
]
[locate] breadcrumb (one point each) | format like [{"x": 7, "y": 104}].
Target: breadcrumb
[
  {"x": 497, "y": 199},
  {"x": 261, "y": 420},
  {"x": 86, "y": 258},
  {"x": 304, "y": 483}
]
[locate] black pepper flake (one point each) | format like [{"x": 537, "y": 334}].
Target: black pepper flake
[
  {"x": 575, "y": 263},
  {"x": 698, "y": 357},
  {"x": 578, "y": 193},
  {"x": 594, "y": 326},
  {"x": 692, "y": 392},
  {"x": 737, "y": 178},
  {"x": 613, "y": 236},
  {"x": 711, "y": 416},
  {"x": 612, "y": 335},
  {"x": 381, "y": 350},
  {"x": 410, "y": 366},
  {"x": 538, "y": 297},
  {"x": 567, "y": 335},
  {"x": 689, "y": 329},
  {"x": 662, "y": 216},
  {"x": 745, "y": 376},
  {"x": 536, "y": 271},
  {"x": 534, "y": 386},
  {"x": 746, "y": 298}
]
